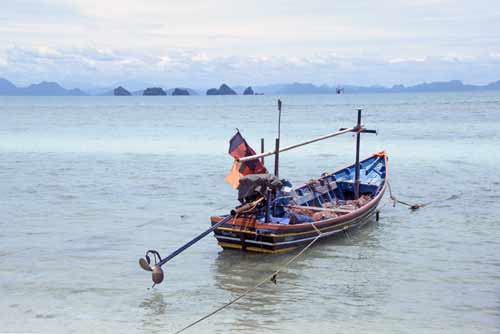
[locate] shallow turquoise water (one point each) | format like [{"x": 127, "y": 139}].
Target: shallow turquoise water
[{"x": 88, "y": 184}]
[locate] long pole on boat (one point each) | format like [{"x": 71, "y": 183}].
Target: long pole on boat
[
  {"x": 262, "y": 150},
  {"x": 277, "y": 158},
  {"x": 291, "y": 147},
  {"x": 279, "y": 118},
  {"x": 277, "y": 144},
  {"x": 358, "y": 143}
]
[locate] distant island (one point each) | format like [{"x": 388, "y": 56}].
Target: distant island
[
  {"x": 54, "y": 89},
  {"x": 223, "y": 90},
  {"x": 180, "y": 92},
  {"x": 120, "y": 91},
  {"x": 154, "y": 91},
  {"x": 248, "y": 91},
  {"x": 171, "y": 91}
]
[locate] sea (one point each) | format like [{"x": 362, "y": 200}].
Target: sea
[{"x": 89, "y": 184}]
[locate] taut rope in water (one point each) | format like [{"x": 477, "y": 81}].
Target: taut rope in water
[
  {"x": 412, "y": 207},
  {"x": 417, "y": 206},
  {"x": 269, "y": 278}
]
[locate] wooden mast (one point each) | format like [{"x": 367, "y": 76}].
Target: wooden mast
[
  {"x": 262, "y": 149},
  {"x": 358, "y": 142},
  {"x": 277, "y": 144},
  {"x": 359, "y": 128}
]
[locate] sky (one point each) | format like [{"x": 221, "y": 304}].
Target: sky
[{"x": 202, "y": 43}]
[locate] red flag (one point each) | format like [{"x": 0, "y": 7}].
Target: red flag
[{"x": 239, "y": 148}]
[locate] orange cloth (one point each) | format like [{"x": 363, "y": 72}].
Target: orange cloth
[{"x": 233, "y": 178}]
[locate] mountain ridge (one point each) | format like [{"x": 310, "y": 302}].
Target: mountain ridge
[
  {"x": 46, "y": 88},
  {"x": 434, "y": 86}
]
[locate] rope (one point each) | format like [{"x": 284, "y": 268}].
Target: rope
[
  {"x": 412, "y": 207},
  {"x": 268, "y": 278}
]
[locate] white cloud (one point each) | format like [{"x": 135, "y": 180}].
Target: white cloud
[
  {"x": 426, "y": 3},
  {"x": 406, "y": 60},
  {"x": 189, "y": 68},
  {"x": 200, "y": 57},
  {"x": 208, "y": 41},
  {"x": 495, "y": 55}
]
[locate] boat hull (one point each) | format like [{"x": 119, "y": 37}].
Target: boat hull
[{"x": 229, "y": 237}]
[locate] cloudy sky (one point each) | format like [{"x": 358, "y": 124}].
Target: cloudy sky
[{"x": 200, "y": 43}]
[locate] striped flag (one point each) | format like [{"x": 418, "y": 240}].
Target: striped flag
[{"x": 239, "y": 148}]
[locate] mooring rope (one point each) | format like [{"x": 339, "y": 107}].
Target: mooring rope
[
  {"x": 395, "y": 200},
  {"x": 269, "y": 278}
]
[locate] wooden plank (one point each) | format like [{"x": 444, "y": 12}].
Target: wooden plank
[{"x": 314, "y": 208}]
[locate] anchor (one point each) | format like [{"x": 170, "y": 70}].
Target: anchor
[{"x": 156, "y": 269}]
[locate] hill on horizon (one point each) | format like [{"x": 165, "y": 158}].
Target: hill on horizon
[
  {"x": 54, "y": 89},
  {"x": 436, "y": 86},
  {"x": 43, "y": 88}
]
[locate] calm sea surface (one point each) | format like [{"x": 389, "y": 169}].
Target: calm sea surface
[{"x": 89, "y": 184}]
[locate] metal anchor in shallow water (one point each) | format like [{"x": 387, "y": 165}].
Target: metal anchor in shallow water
[{"x": 157, "y": 272}]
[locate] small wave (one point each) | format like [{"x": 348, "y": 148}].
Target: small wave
[{"x": 453, "y": 197}]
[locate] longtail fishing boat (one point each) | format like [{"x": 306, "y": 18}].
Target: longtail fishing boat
[
  {"x": 327, "y": 205},
  {"x": 275, "y": 217},
  {"x": 290, "y": 217}
]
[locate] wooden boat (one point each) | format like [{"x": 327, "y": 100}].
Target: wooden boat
[
  {"x": 329, "y": 201},
  {"x": 275, "y": 217}
]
